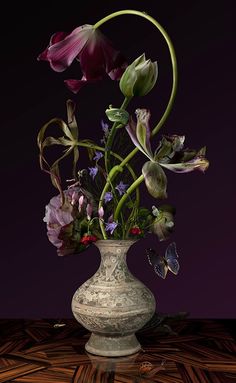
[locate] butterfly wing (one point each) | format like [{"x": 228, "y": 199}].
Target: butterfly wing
[
  {"x": 151, "y": 255},
  {"x": 159, "y": 264},
  {"x": 171, "y": 258},
  {"x": 160, "y": 267}
]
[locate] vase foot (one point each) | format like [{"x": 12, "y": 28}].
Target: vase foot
[{"x": 112, "y": 345}]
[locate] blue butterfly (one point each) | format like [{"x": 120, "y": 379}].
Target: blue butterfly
[{"x": 161, "y": 264}]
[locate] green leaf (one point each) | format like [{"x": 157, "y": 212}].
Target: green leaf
[
  {"x": 117, "y": 115},
  {"x": 155, "y": 179}
]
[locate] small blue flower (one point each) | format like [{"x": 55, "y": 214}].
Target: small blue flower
[
  {"x": 108, "y": 197},
  {"x": 105, "y": 128},
  {"x": 93, "y": 172},
  {"x": 97, "y": 156},
  {"x": 121, "y": 187},
  {"x": 111, "y": 226}
]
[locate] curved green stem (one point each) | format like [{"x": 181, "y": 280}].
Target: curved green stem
[
  {"x": 132, "y": 187},
  {"x": 100, "y": 148},
  {"x": 172, "y": 95},
  {"x": 111, "y": 176},
  {"x": 112, "y": 136}
]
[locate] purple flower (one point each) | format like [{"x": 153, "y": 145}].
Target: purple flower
[
  {"x": 105, "y": 128},
  {"x": 55, "y": 215},
  {"x": 59, "y": 219},
  {"x": 121, "y": 187},
  {"x": 93, "y": 172},
  {"x": 111, "y": 226},
  {"x": 91, "y": 48},
  {"x": 108, "y": 197},
  {"x": 97, "y": 156}
]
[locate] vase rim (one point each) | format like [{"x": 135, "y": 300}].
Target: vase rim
[{"x": 115, "y": 242}]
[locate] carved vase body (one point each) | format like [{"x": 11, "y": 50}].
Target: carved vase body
[{"x": 113, "y": 304}]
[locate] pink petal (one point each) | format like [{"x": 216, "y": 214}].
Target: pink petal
[
  {"x": 56, "y": 37},
  {"x": 99, "y": 57},
  {"x": 75, "y": 85},
  {"x": 115, "y": 74},
  {"x": 62, "y": 53}
]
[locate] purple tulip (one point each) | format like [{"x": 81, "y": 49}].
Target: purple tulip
[{"x": 91, "y": 48}]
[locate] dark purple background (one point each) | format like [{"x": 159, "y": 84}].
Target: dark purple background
[{"x": 35, "y": 282}]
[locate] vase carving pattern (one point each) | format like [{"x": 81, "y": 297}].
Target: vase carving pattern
[{"x": 113, "y": 304}]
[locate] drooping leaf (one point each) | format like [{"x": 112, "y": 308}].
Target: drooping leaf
[
  {"x": 199, "y": 163},
  {"x": 71, "y": 119},
  {"x": 155, "y": 179},
  {"x": 163, "y": 224}
]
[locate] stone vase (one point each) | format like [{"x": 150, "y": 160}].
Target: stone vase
[{"x": 113, "y": 304}]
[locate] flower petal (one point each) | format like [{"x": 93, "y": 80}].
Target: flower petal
[
  {"x": 75, "y": 85},
  {"x": 61, "y": 53},
  {"x": 99, "y": 57},
  {"x": 199, "y": 163},
  {"x": 131, "y": 129},
  {"x": 155, "y": 179},
  {"x": 143, "y": 130}
]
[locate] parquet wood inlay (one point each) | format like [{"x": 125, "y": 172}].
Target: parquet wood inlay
[{"x": 174, "y": 350}]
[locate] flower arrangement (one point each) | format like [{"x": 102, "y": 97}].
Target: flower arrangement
[{"x": 103, "y": 201}]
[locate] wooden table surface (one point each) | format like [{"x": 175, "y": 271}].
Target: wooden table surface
[{"x": 174, "y": 350}]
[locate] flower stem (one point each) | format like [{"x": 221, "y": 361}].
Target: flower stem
[
  {"x": 112, "y": 136},
  {"x": 90, "y": 145},
  {"x": 132, "y": 187},
  {"x": 110, "y": 176},
  {"x": 171, "y": 99}
]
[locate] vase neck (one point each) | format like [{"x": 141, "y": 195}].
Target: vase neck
[{"x": 113, "y": 258}]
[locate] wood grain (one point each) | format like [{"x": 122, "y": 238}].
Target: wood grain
[{"x": 174, "y": 350}]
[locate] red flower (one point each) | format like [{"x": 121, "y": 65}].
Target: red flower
[
  {"x": 91, "y": 48},
  {"x": 88, "y": 239},
  {"x": 135, "y": 230}
]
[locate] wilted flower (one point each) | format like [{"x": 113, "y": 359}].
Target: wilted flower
[
  {"x": 139, "y": 77},
  {"x": 91, "y": 48},
  {"x": 163, "y": 224},
  {"x": 59, "y": 219},
  {"x": 169, "y": 154}
]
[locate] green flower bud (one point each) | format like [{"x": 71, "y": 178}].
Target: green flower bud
[{"x": 139, "y": 77}]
